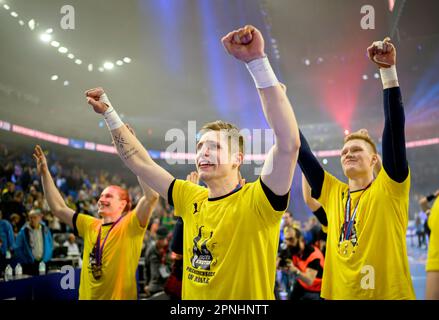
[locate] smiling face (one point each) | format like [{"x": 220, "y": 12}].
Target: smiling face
[
  {"x": 110, "y": 202},
  {"x": 218, "y": 155},
  {"x": 357, "y": 158}
]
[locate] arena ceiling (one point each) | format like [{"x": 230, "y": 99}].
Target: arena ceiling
[{"x": 180, "y": 72}]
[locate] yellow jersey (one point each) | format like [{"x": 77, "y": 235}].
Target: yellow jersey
[
  {"x": 230, "y": 243},
  {"x": 119, "y": 261},
  {"x": 373, "y": 264},
  {"x": 433, "y": 249}
]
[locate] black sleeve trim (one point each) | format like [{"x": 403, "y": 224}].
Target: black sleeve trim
[
  {"x": 394, "y": 150},
  {"x": 279, "y": 203},
  {"x": 311, "y": 167},
  {"x": 171, "y": 187},
  {"x": 75, "y": 228},
  {"x": 320, "y": 213}
]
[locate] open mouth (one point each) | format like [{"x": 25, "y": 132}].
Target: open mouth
[
  {"x": 205, "y": 164},
  {"x": 102, "y": 206}
]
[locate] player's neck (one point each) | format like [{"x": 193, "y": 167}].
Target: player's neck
[
  {"x": 360, "y": 182},
  {"x": 221, "y": 187},
  {"x": 110, "y": 219}
]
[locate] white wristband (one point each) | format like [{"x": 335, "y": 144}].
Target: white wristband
[
  {"x": 262, "y": 73},
  {"x": 389, "y": 77},
  {"x": 111, "y": 117}
]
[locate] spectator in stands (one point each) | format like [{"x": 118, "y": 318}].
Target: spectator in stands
[
  {"x": 284, "y": 257},
  {"x": 156, "y": 263},
  {"x": 426, "y": 209},
  {"x": 17, "y": 222},
  {"x": 311, "y": 231},
  {"x": 7, "y": 239},
  {"x": 168, "y": 220},
  {"x": 173, "y": 283},
  {"x": 28, "y": 202},
  {"x": 307, "y": 265},
  {"x": 34, "y": 244},
  {"x": 26, "y": 178},
  {"x": 7, "y": 199},
  {"x": 72, "y": 246},
  {"x": 93, "y": 207},
  {"x": 3, "y": 262},
  {"x": 287, "y": 221},
  {"x": 17, "y": 204},
  {"x": 154, "y": 226},
  {"x": 420, "y": 231}
]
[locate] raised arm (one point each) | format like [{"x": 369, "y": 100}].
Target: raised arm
[
  {"x": 247, "y": 44},
  {"x": 313, "y": 204},
  {"x": 311, "y": 167},
  {"x": 56, "y": 203},
  {"x": 383, "y": 54},
  {"x": 146, "y": 204},
  {"x": 130, "y": 150}
]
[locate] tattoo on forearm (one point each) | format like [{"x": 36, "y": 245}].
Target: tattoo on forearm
[
  {"x": 120, "y": 141},
  {"x": 129, "y": 153},
  {"x": 123, "y": 147}
]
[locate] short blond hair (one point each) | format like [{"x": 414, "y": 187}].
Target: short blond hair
[
  {"x": 231, "y": 129},
  {"x": 362, "y": 134}
]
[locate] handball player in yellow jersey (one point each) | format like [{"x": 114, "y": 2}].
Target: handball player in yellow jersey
[
  {"x": 231, "y": 232},
  {"x": 112, "y": 244}
]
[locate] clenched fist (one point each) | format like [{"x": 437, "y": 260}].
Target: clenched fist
[
  {"x": 94, "y": 99},
  {"x": 384, "y": 56},
  {"x": 245, "y": 44}
]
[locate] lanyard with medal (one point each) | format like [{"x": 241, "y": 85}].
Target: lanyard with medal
[
  {"x": 99, "y": 251},
  {"x": 346, "y": 246}
]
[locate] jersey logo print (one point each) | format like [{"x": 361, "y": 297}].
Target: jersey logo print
[{"x": 202, "y": 258}]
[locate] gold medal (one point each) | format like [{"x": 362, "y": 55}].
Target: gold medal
[
  {"x": 96, "y": 271},
  {"x": 346, "y": 248}
]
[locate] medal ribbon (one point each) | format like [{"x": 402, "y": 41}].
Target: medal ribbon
[
  {"x": 99, "y": 250},
  {"x": 349, "y": 221}
]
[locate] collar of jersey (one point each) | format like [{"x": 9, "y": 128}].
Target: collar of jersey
[{"x": 226, "y": 195}]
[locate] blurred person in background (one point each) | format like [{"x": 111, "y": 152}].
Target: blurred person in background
[
  {"x": 287, "y": 221},
  {"x": 7, "y": 198},
  {"x": 72, "y": 246},
  {"x": 17, "y": 222},
  {"x": 157, "y": 263},
  {"x": 306, "y": 264},
  {"x": 34, "y": 243},
  {"x": 7, "y": 239}
]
